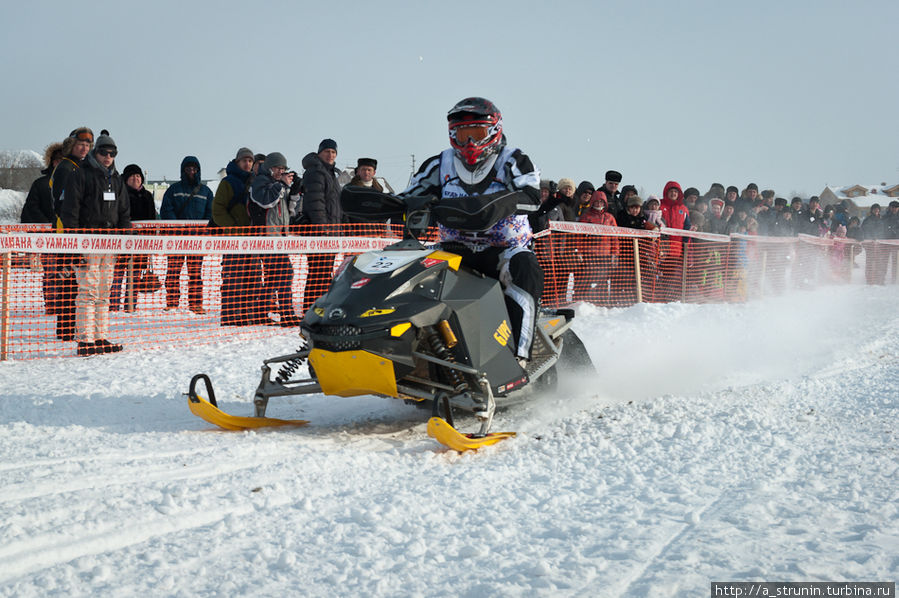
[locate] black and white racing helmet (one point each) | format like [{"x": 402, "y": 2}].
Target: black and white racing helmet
[{"x": 475, "y": 130}]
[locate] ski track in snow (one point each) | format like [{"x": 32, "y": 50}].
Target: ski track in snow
[{"x": 716, "y": 442}]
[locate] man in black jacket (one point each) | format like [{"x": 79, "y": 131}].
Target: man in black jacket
[
  {"x": 95, "y": 198},
  {"x": 613, "y": 199},
  {"x": 74, "y": 150},
  {"x": 321, "y": 206}
]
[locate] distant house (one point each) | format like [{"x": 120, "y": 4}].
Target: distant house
[{"x": 860, "y": 198}]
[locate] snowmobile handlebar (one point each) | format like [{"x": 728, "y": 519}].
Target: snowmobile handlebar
[{"x": 470, "y": 213}]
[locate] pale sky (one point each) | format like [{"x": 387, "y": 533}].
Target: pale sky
[{"x": 790, "y": 95}]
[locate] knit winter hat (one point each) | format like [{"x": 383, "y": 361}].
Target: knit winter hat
[
  {"x": 105, "y": 141},
  {"x": 273, "y": 160},
  {"x": 133, "y": 169},
  {"x": 563, "y": 182},
  {"x": 716, "y": 190},
  {"x": 242, "y": 153},
  {"x": 691, "y": 191},
  {"x": 327, "y": 144}
]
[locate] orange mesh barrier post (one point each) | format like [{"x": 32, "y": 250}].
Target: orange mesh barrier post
[
  {"x": 637, "y": 280},
  {"x": 893, "y": 249},
  {"x": 5, "y": 267}
]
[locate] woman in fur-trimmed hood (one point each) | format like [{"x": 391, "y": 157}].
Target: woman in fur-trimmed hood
[{"x": 39, "y": 202}]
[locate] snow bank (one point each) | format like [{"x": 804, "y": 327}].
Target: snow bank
[{"x": 11, "y": 203}]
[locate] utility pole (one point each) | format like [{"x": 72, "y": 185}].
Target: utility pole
[{"x": 412, "y": 174}]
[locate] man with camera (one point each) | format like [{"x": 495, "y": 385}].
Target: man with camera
[{"x": 270, "y": 206}]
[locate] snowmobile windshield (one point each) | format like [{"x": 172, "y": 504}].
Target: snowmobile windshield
[
  {"x": 362, "y": 204},
  {"x": 479, "y": 213}
]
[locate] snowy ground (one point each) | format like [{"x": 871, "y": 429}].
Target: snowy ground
[{"x": 717, "y": 442}]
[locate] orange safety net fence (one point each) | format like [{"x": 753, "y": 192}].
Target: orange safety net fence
[
  {"x": 181, "y": 283},
  {"x": 615, "y": 267}
]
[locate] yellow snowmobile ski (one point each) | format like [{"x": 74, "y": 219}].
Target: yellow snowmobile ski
[
  {"x": 440, "y": 430},
  {"x": 209, "y": 411}
]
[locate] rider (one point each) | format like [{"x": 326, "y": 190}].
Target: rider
[{"x": 478, "y": 163}]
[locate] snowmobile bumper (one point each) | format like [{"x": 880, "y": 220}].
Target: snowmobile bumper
[{"x": 353, "y": 373}]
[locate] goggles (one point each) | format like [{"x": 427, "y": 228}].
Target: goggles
[
  {"x": 84, "y": 136},
  {"x": 473, "y": 131}
]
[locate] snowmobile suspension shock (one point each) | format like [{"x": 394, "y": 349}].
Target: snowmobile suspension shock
[
  {"x": 285, "y": 372},
  {"x": 447, "y": 332},
  {"x": 439, "y": 348}
]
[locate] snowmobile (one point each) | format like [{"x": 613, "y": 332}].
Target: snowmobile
[{"x": 409, "y": 321}]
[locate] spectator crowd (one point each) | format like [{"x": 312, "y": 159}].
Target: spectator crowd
[
  {"x": 719, "y": 210},
  {"x": 81, "y": 188}
]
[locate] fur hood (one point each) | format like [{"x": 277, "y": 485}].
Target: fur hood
[{"x": 50, "y": 150}]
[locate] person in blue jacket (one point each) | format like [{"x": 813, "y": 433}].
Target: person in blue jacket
[{"x": 188, "y": 199}]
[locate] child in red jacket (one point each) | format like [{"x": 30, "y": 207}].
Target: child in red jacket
[{"x": 598, "y": 253}]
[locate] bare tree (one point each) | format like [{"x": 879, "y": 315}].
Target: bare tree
[{"x": 18, "y": 169}]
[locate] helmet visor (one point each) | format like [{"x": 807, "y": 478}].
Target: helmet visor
[{"x": 476, "y": 132}]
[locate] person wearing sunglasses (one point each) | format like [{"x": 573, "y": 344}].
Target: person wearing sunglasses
[{"x": 95, "y": 201}]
